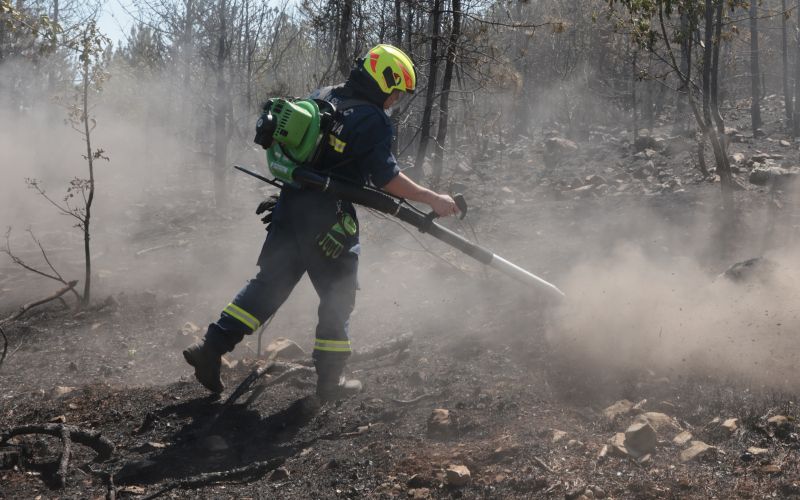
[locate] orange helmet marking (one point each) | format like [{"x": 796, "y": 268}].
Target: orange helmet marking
[{"x": 373, "y": 60}]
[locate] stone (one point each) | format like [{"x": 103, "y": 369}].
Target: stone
[
  {"x": 189, "y": 329},
  {"x": 737, "y": 158},
  {"x": 785, "y": 143},
  {"x": 781, "y": 426},
  {"x": 697, "y": 450},
  {"x": 764, "y": 174},
  {"x": 505, "y": 452},
  {"x": 616, "y": 445},
  {"x": 279, "y": 474},
  {"x": 228, "y": 364},
  {"x": 574, "y": 444},
  {"x": 597, "y": 491},
  {"x": 457, "y": 475},
  {"x": 132, "y": 490},
  {"x": 441, "y": 424},
  {"x": 560, "y": 145},
  {"x": 682, "y": 438},
  {"x": 778, "y": 420},
  {"x": 661, "y": 422},
  {"x": 575, "y": 493},
  {"x": 419, "y": 493},
  {"x": 618, "y": 409},
  {"x": 60, "y": 391},
  {"x": 730, "y": 425},
  {"x": 558, "y": 435},
  {"x": 763, "y": 157},
  {"x": 747, "y": 270},
  {"x": 595, "y": 180},
  {"x": 283, "y": 348},
  {"x": 640, "y": 438},
  {"x": 645, "y": 142},
  {"x": 419, "y": 481},
  {"x": 644, "y": 171},
  {"x": 582, "y": 189}
]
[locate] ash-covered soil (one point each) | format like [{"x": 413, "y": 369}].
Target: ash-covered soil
[{"x": 486, "y": 402}]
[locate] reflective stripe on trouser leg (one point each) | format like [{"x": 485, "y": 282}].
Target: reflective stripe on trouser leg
[
  {"x": 242, "y": 316},
  {"x": 325, "y": 345}
]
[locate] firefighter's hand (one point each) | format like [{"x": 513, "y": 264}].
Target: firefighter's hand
[
  {"x": 444, "y": 205},
  {"x": 268, "y": 206}
]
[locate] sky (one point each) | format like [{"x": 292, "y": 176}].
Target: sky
[{"x": 115, "y": 21}]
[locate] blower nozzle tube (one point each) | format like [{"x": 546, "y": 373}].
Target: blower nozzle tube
[{"x": 388, "y": 205}]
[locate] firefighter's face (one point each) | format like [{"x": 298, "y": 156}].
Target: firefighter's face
[{"x": 393, "y": 98}]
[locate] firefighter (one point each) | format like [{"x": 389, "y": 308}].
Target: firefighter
[{"x": 313, "y": 232}]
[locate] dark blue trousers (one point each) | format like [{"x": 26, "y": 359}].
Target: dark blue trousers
[{"x": 288, "y": 253}]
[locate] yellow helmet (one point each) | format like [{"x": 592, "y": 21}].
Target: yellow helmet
[{"x": 391, "y": 69}]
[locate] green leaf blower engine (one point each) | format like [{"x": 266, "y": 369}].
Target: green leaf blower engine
[{"x": 291, "y": 132}]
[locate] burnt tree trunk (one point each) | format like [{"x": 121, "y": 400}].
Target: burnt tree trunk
[
  {"x": 444, "y": 100},
  {"x": 343, "y": 62},
  {"x": 680, "y": 124},
  {"x": 723, "y": 164},
  {"x": 755, "y": 73},
  {"x": 787, "y": 93},
  {"x": 634, "y": 116},
  {"x": 221, "y": 100},
  {"x": 796, "y": 124},
  {"x": 430, "y": 94},
  {"x": 704, "y": 119},
  {"x": 398, "y": 23}
]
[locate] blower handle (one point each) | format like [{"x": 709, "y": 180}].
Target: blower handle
[{"x": 461, "y": 203}]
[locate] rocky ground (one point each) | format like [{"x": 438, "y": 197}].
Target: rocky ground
[{"x": 479, "y": 404}]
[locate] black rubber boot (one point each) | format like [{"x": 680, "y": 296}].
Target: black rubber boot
[
  {"x": 206, "y": 362},
  {"x": 331, "y": 383}
]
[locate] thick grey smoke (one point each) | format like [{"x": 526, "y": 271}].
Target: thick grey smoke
[{"x": 628, "y": 311}]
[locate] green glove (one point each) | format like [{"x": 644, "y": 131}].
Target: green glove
[{"x": 333, "y": 242}]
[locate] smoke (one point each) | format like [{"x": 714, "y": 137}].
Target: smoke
[{"x": 632, "y": 312}]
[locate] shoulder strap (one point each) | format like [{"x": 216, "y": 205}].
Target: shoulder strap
[{"x": 345, "y": 99}]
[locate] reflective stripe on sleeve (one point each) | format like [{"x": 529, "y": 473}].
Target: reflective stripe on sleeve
[
  {"x": 240, "y": 314},
  {"x": 337, "y": 144},
  {"x": 332, "y": 345}
]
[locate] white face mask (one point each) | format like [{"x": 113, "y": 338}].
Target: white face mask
[{"x": 397, "y": 104}]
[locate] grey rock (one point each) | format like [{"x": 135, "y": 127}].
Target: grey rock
[
  {"x": 458, "y": 475},
  {"x": 279, "y": 474},
  {"x": 697, "y": 450},
  {"x": 620, "y": 408},
  {"x": 640, "y": 438},
  {"x": 747, "y": 270},
  {"x": 283, "y": 348},
  {"x": 441, "y": 424}
]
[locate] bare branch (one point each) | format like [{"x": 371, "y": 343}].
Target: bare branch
[
  {"x": 5, "y": 346},
  {"x": 45, "y": 300}
]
